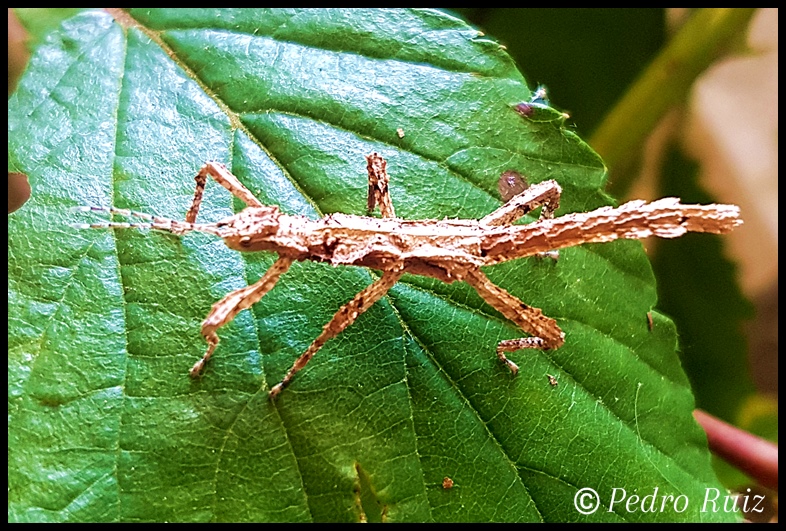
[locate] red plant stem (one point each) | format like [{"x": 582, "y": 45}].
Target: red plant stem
[{"x": 751, "y": 454}]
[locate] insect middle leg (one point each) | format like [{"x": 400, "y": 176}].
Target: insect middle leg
[
  {"x": 226, "y": 179},
  {"x": 345, "y": 316},
  {"x": 225, "y": 310},
  {"x": 546, "y": 334}
]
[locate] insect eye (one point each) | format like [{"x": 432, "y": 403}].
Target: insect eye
[{"x": 527, "y": 108}]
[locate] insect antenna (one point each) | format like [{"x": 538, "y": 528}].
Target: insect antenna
[{"x": 153, "y": 222}]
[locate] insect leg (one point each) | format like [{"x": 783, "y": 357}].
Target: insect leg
[
  {"x": 342, "y": 319},
  {"x": 225, "y": 178},
  {"x": 227, "y": 308},
  {"x": 546, "y": 334},
  {"x": 378, "y": 191},
  {"x": 546, "y": 194}
]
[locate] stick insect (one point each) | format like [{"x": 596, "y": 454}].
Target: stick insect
[{"x": 449, "y": 250}]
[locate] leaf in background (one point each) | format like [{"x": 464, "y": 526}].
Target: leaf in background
[{"x": 104, "y": 423}]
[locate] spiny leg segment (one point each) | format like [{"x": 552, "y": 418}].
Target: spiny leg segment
[
  {"x": 345, "y": 316},
  {"x": 546, "y": 193},
  {"x": 378, "y": 191},
  {"x": 222, "y": 176},
  {"x": 546, "y": 334},
  {"x": 225, "y": 310}
]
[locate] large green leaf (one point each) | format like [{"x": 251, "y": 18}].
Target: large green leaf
[{"x": 104, "y": 422}]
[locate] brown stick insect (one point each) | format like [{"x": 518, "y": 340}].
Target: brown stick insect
[{"x": 449, "y": 250}]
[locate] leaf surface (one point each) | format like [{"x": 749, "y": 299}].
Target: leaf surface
[{"x": 104, "y": 423}]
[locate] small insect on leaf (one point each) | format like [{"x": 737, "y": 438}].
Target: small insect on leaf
[
  {"x": 538, "y": 101},
  {"x": 447, "y": 483},
  {"x": 649, "y": 321},
  {"x": 511, "y": 184},
  {"x": 540, "y": 96},
  {"x": 552, "y": 380}
]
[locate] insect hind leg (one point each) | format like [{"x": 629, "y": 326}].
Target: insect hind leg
[
  {"x": 546, "y": 334},
  {"x": 544, "y": 194}
]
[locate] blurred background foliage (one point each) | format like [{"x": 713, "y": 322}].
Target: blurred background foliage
[
  {"x": 586, "y": 58},
  {"x": 628, "y": 78}
]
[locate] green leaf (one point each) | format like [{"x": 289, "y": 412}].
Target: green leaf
[{"x": 104, "y": 422}]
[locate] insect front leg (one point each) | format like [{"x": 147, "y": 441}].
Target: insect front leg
[
  {"x": 345, "y": 316},
  {"x": 378, "y": 191},
  {"x": 227, "y": 308},
  {"x": 225, "y": 178},
  {"x": 546, "y": 334}
]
